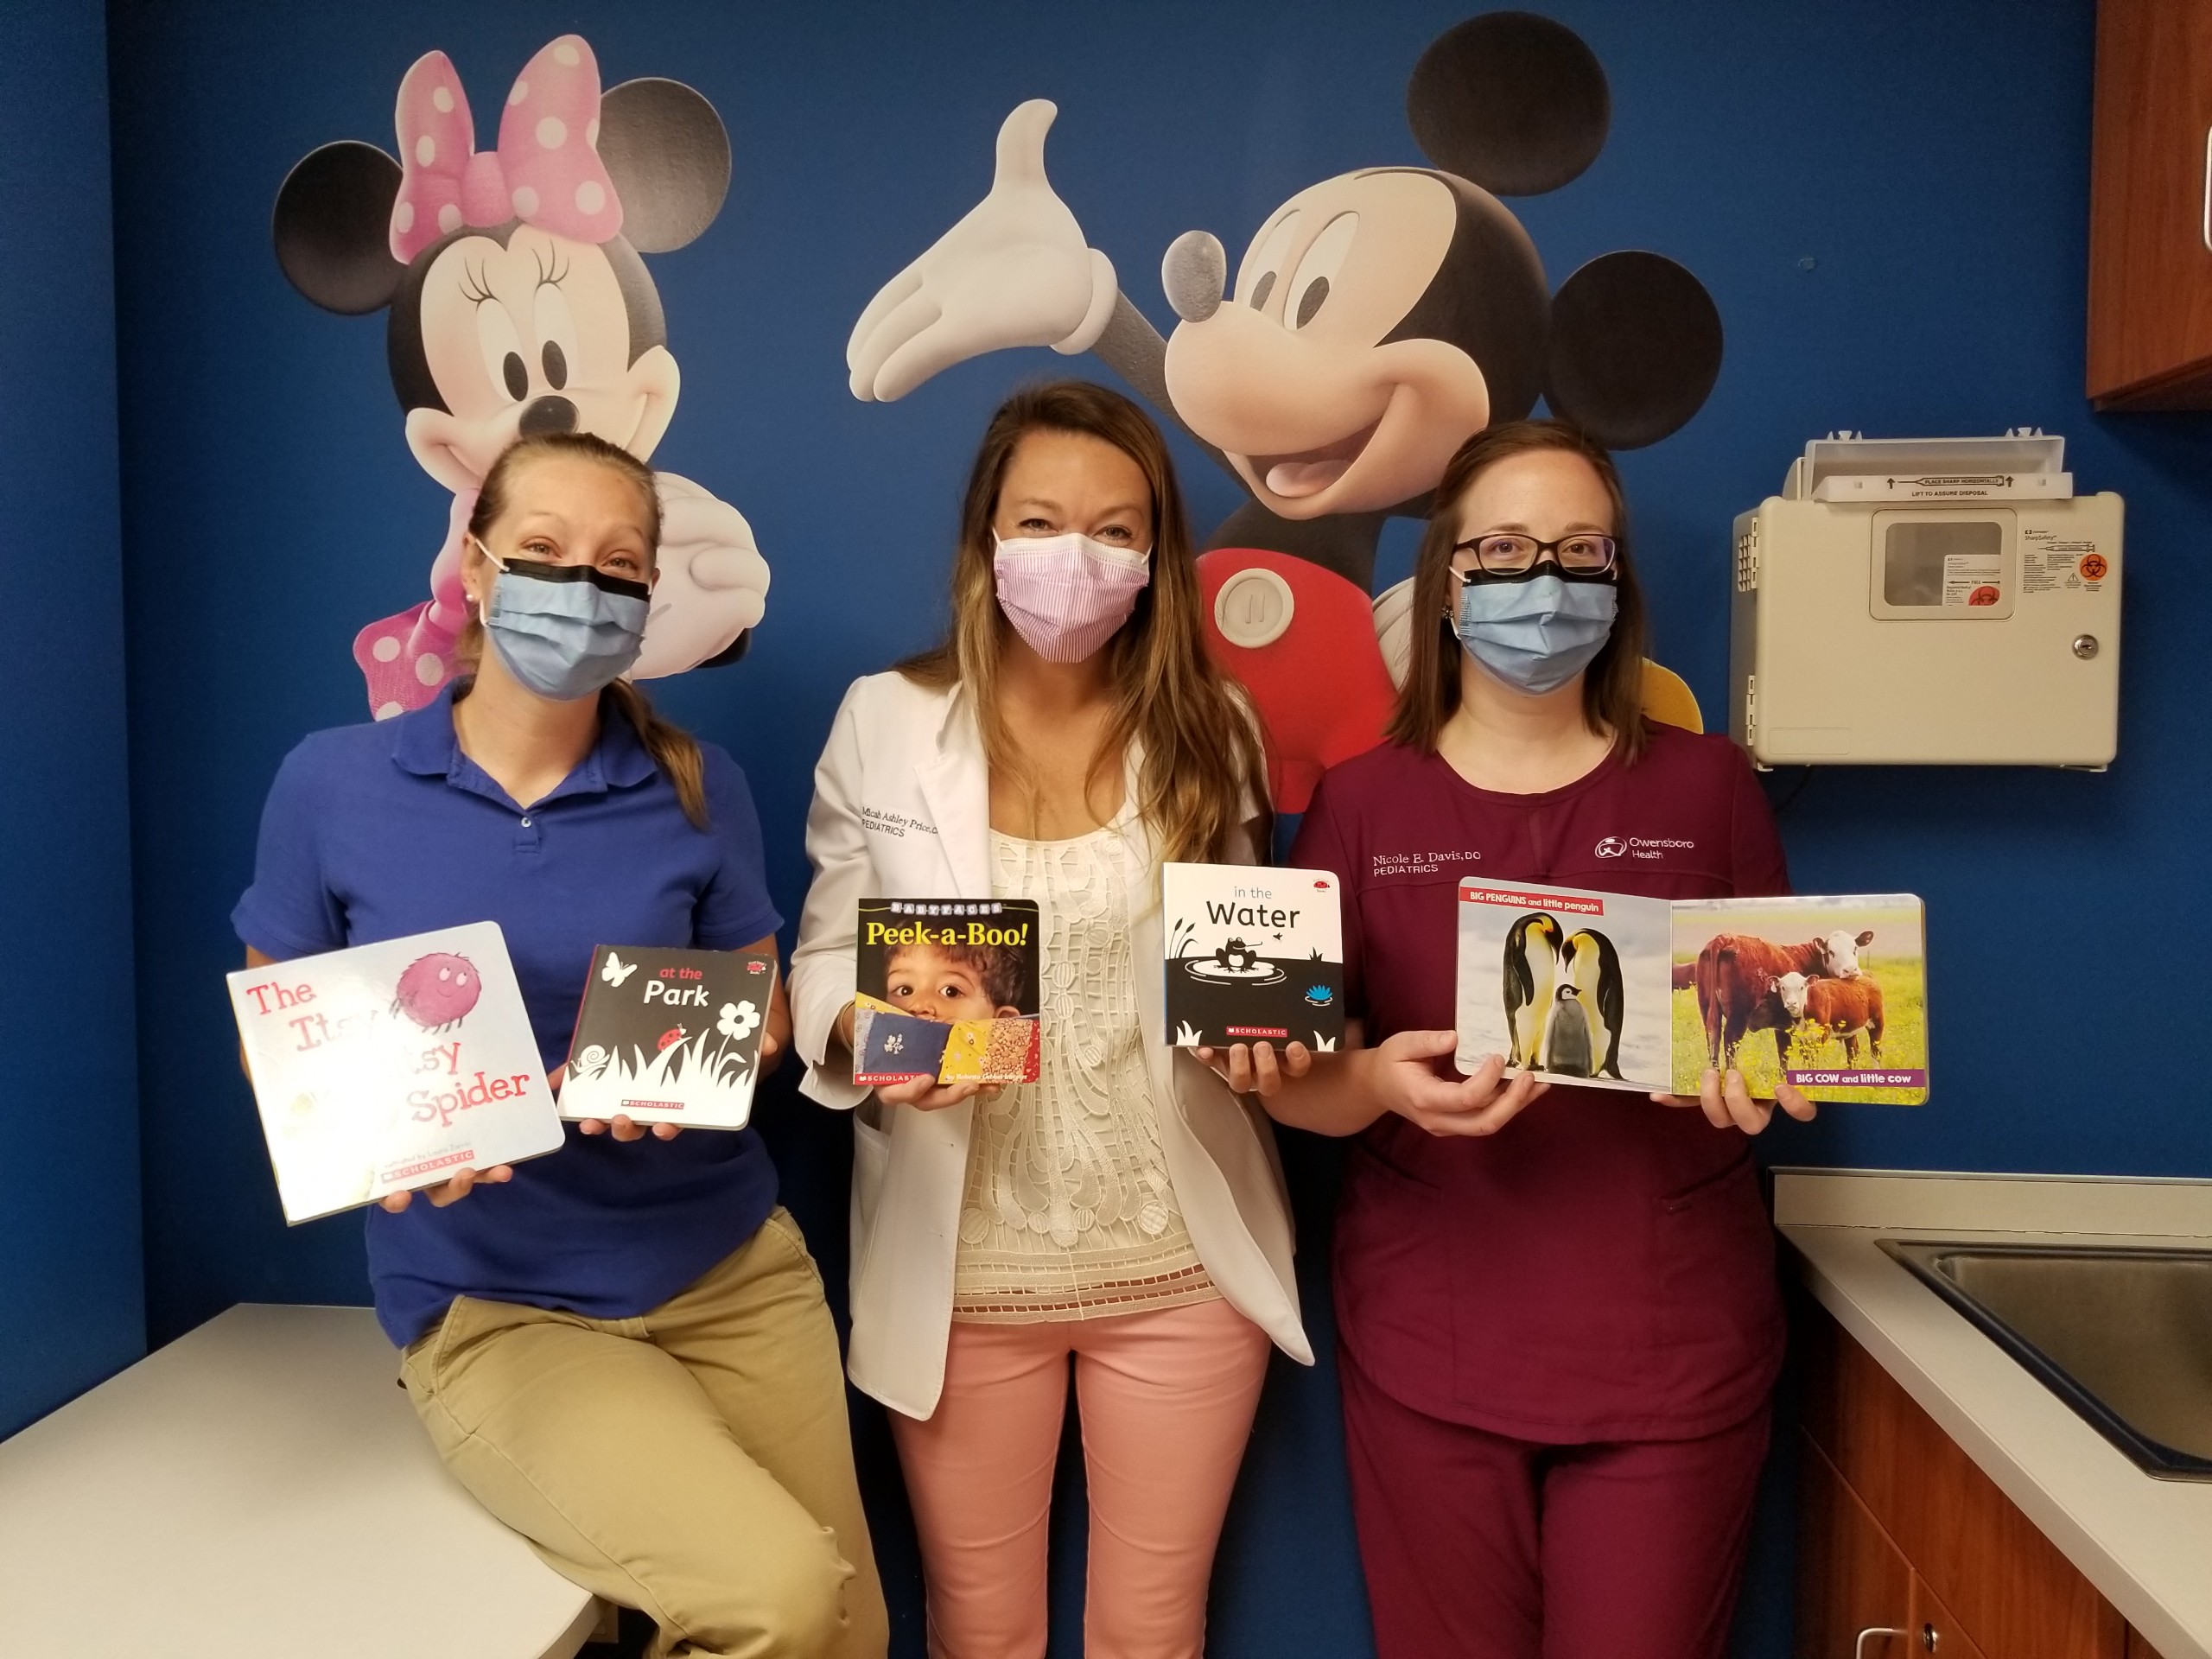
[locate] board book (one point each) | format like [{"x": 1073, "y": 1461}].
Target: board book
[
  {"x": 669, "y": 1036},
  {"x": 947, "y": 989},
  {"x": 391, "y": 1066},
  {"x": 1827, "y": 993},
  {"x": 1254, "y": 955}
]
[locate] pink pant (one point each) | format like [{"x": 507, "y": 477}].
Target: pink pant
[{"x": 1167, "y": 1401}]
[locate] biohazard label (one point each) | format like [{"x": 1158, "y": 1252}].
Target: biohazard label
[{"x": 1972, "y": 578}]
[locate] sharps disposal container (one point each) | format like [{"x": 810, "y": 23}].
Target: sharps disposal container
[{"x": 1941, "y": 601}]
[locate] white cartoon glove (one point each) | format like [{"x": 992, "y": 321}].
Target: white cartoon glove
[
  {"x": 712, "y": 585},
  {"x": 1016, "y": 271}
]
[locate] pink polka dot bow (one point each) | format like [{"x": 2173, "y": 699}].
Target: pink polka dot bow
[{"x": 546, "y": 171}]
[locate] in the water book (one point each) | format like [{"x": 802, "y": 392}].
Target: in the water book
[
  {"x": 1829, "y": 995},
  {"x": 1254, "y": 956},
  {"x": 670, "y": 1036},
  {"x": 390, "y": 1066},
  {"x": 947, "y": 989}
]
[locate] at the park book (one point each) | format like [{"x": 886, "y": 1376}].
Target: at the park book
[
  {"x": 947, "y": 989},
  {"x": 1254, "y": 956},
  {"x": 668, "y": 1036},
  {"x": 1827, "y": 993},
  {"x": 390, "y": 1066}
]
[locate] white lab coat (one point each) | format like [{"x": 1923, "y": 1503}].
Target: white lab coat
[{"x": 902, "y": 809}]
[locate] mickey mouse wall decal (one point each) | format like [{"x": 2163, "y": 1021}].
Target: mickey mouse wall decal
[
  {"x": 518, "y": 303},
  {"x": 1376, "y": 320}
]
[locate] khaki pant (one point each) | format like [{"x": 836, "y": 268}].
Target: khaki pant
[{"x": 693, "y": 1462}]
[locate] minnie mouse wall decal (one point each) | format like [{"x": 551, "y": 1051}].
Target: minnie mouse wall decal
[
  {"x": 1377, "y": 320},
  {"x": 518, "y": 303}
]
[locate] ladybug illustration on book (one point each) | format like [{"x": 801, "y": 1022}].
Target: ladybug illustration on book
[
  {"x": 1376, "y": 319},
  {"x": 438, "y": 991},
  {"x": 517, "y": 303}
]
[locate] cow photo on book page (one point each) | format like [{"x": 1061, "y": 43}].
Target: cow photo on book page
[{"x": 1827, "y": 993}]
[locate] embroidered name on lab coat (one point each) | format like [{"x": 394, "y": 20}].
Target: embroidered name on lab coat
[{"x": 893, "y": 824}]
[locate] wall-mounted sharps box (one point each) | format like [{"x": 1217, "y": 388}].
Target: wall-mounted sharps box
[{"x": 1931, "y": 601}]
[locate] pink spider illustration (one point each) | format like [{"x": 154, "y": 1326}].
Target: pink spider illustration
[{"x": 438, "y": 990}]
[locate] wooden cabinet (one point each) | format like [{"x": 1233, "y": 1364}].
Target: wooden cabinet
[
  {"x": 1898, "y": 1530},
  {"x": 1857, "y": 1597},
  {"x": 2151, "y": 206},
  {"x": 1849, "y": 1577}
]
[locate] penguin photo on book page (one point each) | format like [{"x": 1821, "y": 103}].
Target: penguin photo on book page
[{"x": 1572, "y": 986}]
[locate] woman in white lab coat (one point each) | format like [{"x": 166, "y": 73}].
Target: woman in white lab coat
[{"x": 1126, "y": 1211}]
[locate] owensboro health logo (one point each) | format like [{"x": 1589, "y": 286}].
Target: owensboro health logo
[{"x": 1640, "y": 846}]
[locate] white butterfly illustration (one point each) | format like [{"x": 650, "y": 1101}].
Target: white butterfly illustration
[{"x": 616, "y": 969}]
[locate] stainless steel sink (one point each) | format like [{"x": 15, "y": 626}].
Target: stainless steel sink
[{"x": 2123, "y": 1336}]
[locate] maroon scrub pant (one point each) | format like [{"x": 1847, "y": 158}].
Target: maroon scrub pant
[{"x": 1477, "y": 1546}]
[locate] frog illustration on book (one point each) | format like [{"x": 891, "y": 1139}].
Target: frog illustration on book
[{"x": 1234, "y": 959}]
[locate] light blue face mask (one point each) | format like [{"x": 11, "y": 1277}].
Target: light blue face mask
[
  {"x": 1535, "y": 634},
  {"x": 565, "y": 631}
]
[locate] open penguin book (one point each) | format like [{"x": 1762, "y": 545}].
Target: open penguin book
[
  {"x": 1254, "y": 956},
  {"x": 947, "y": 988},
  {"x": 668, "y": 1036},
  {"x": 390, "y": 1066},
  {"x": 1827, "y": 993}
]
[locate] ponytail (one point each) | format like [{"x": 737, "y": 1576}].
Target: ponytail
[{"x": 674, "y": 750}]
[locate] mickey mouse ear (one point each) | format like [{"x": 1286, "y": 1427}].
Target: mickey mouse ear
[
  {"x": 1635, "y": 348},
  {"x": 332, "y": 227},
  {"x": 668, "y": 154},
  {"x": 1511, "y": 101}
]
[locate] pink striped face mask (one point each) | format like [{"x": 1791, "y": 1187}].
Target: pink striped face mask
[{"x": 1066, "y": 594}]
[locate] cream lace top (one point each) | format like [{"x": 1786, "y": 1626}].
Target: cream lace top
[{"x": 1068, "y": 1212}]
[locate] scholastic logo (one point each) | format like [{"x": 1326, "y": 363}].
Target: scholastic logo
[{"x": 1641, "y": 846}]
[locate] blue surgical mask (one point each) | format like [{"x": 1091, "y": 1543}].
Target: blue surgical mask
[
  {"x": 565, "y": 631},
  {"x": 1538, "y": 633}
]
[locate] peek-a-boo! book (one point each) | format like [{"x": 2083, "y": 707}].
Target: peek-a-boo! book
[
  {"x": 391, "y": 1066},
  {"x": 947, "y": 988},
  {"x": 670, "y": 1036},
  {"x": 1827, "y": 993},
  {"x": 1254, "y": 956}
]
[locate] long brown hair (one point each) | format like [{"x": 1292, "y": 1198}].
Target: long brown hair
[
  {"x": 674, "y": 750},
  {"x": 1200, "y": 753},
  {"x": 1612, "y": 686}
]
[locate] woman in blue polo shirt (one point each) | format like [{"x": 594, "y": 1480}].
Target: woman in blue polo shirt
[{"x": 622, "y": 1347}]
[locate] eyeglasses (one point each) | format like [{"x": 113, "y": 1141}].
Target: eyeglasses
[{"x": 1587, "y": 556}]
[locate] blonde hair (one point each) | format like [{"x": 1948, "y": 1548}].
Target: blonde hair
[
  {"x": 1612, "y": 686},
  {"x": 674, "y": 750},
  {"x": 1200, "y": 754}
]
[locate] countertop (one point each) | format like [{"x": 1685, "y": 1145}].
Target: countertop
[
  {"x": 2144, "y": 1543},
  {"x": 259, "y": 1490}
]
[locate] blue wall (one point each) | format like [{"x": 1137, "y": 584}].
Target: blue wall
[
  {"x": 1888, "y": 198},
  {"x": 71, "y": 1300}
]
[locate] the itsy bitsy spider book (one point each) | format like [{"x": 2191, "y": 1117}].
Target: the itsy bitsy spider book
[{"x": 391, "y": 1065}]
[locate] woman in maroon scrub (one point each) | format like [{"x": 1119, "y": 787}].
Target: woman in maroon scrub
[{"x": 1560, "y": 1325}]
